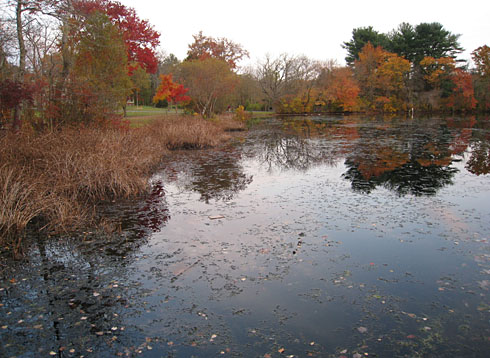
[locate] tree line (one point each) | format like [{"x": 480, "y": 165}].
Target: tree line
[
  {"x": 412, "y": 68},
  {"x": 79, "y": 61}
]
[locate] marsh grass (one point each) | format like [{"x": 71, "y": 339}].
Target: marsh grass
[{"x": 58, "y": 178}]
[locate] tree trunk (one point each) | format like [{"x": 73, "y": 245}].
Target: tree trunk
[{"x": 17, "y": 123}]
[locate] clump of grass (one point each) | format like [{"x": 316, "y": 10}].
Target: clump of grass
[{"x": 59, "y": 177}]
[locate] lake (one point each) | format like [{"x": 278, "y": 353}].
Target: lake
[{"x": 323, "y": 236}]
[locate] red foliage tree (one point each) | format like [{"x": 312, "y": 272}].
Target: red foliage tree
[
  {"x": 12, "y": 94},
  {"x": 462, "y": 97},
  {"x": 139, "y": 36}
]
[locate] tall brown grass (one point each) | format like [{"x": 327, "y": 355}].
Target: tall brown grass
[{"x": 59, "y": 177}]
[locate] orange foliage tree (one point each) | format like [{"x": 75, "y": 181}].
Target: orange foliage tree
[
  {"x": 171, "y": 91},
  {"x": 342, "y": 90},
  {"x": 382, "y": 78}
]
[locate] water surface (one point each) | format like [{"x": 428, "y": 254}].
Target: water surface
[{"x": 322, "y": 237}]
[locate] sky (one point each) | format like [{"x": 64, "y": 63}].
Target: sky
[{"x": 313, "y": 28}]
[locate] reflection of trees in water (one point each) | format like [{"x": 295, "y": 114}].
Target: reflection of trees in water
[
  {"x": 479, "y": 161},
  {"x": 138, "y": 217},
  {"x": 297, "y": 145},
  {"x": 69, "y": 291},
  {"x": 217, "y": 175},
  {"x": 410, "y": 178},
  {"x": 414, "y": 158},
  {"x": 404, "y": 156}
]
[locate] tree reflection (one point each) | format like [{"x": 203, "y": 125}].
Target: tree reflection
[
  {"x": 215, "y": 175},
  {"x": 410, "y": 178},
  {"x": 69, "y": 291},
  {"x": 408, "y": 159},
  {"x": 479, "y": 161},
  {"x": 298, "y": 145}
]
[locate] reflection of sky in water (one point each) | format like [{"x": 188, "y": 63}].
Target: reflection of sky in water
[{"x": 302, "y": 260}]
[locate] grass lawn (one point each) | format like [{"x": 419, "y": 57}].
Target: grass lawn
[
  {"x": 139, "y": 116},
  {"x": 143, "y": 111}
]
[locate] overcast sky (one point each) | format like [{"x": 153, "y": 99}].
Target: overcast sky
[{"x": 314, "y": 28}]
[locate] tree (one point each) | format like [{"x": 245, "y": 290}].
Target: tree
[
  {"x": 423, "y": 40},
  {"x": 361, "y": 37},
  {"x": 283, "y": 76},
  {"x": 100, "y": 66},
  {"x": 221, "y": 48},
  {"x": 437, "y": 73},
  {"x": 140, "y": 38},
  {"x": 12, "y": 94},
  {"x": 432, "y": 40},
  {"x": 454, "y": 84},
  {"x": 341, "y": 89},
  {"x": 402, "y": 41},
  {"x": 140, "y": 81},
  {"x": 481, "y": 58},
  {"x": 382, "y": 77},
  {"x": 462, "y": 97},
  {"x": 211, "y": 83},
  {"x": 171, "y": 91}
]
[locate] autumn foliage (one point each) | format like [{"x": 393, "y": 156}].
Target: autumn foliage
[
  {"x": 140, "y": 38},
  {"x": 171, "y": 91},
  {"x": 223, "y": 49}
]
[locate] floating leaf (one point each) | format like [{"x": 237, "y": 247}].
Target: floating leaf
[{"x": 362, "y": 329}]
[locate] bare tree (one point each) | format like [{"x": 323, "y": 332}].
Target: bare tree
[{"x": 284, "y": 75}]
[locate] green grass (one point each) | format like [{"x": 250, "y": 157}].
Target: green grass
[
  {"x": 261, "y": 114},
  {"x": 140, "y": 116},
  {"x": 144, "y": 111}
]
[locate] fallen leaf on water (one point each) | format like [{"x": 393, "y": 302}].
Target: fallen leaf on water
[
  {"x": 356, "y": 355},
  {"x": 215, "y": 217},
  {"x": 267, "y": 355},
  {"x": 411, "y": 336},
  {"x": 362, "y": 329},
  {"x": 52, "y": 353},
  {"x": 344, "y": 351},
  {"x": 281, "y": 350}
]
